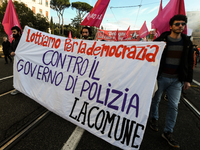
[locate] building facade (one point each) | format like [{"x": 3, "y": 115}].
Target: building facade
[
  {"x": 194, "y": 24},
  {"x": 38, "y": 6}
]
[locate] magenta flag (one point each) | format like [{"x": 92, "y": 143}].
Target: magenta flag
[
  {"x": 143, "y": 31},
  {"x": 70, "y": 35},
  {"x": 160, "y": 9},
  {"x": 161, "y": 21},
  {"x": 95, "y": 16},
  {"x": 10, "y": 19},
  {"x": 127, "y": 32},
  {"x": 157, "y": 33}
]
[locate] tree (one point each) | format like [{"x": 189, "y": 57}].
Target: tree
[
  {"x": 41, "y": 23},
  {"x": 56, "y": 29},
  {"x": 26, "y": 17},
  {"x": 72, "y": 29},
  {"x": 51, "y": 25},
  {"x": 76, "y": 24},
  {"x": 81, "y": 9},
  {"x": 59, "y": 6}
]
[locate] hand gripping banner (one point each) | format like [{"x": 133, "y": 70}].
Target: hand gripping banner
[{"x": 103, "y": 87}]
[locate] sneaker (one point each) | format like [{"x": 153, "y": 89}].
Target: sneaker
[
  {"x": 169, "y": 137},
  {"x": 14, "y": 92},
  {"x": 154, "y": 124}
]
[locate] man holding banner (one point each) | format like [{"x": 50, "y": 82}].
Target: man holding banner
[
  {"x": 16, "y": 31},
  {"x": 91, "y": 80},
  {"x": 175, "y": 72}
]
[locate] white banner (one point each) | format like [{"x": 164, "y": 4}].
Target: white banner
[{"x": 103, "y": 87}]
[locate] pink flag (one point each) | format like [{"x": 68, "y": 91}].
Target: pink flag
[
  {"x": 161, "y": 21},
  {"x": 143, "y": 31},
  {"x": 10, "y": 19},
  {"x": 95, "y": 16},
  {"x": 127, "y": 32},
  {"x": 157, "y": 33},
  {"x": 160, "y": 9},
  {"x": 116, "y": 38},
  {"x": 70, "y": 36}
]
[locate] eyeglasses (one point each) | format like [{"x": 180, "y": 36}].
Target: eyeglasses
[
  {"x": 178, "y": 24},
  {"x": 84, "y": 32}
]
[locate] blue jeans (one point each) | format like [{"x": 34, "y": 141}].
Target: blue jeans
[{"x": 173, "y": 88}]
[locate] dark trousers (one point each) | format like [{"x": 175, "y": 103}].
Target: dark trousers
[
  {"x": 196, "y": 60},
  {"x": 8, "y": 56}
]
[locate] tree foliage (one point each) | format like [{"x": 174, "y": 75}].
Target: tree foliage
[
  {"x": 51, "y": 25},
  {"x": 59, "y": 6},
  {"x": 26, "y": 17},
  {"x": 81, "y": 9},
  {"x": 75, "y": 21},
  {"x": 41, "y": 23},
  {"x": 72, "y": 29}
]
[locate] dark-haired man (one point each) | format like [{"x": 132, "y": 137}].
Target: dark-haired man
[
  {"x": 175, "y": 72},
  {"x": 16, "y": 31},
  {"x": 86, "y": 32}
]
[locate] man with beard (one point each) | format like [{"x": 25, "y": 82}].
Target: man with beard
[
  {"x": 85, "y": 32},
  {"x": 175, "y": 72},
  {"x": 16, "y": 31}
]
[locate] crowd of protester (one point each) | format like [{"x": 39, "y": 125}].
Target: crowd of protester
[{"x": 175, "y": 73}]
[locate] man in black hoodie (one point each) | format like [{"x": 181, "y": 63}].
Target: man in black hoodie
[
  {"x": 16, "y": 31},
  {"x": 175, "y": 72}
]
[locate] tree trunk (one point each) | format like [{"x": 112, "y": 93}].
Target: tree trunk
[
  {"x": 62, "y": 25},
  {"x": 80, "y": 27},
  {"x": 59, "y": 21}
]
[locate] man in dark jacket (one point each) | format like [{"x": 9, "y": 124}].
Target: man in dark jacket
[
  {"x": 6, "y": 47},
  {"x": 175, "y": 72},
  {"x": 16, "y": 31}
]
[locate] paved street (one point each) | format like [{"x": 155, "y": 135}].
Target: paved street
[{"x": 54, "y": 131}]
